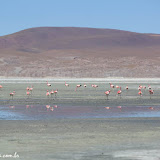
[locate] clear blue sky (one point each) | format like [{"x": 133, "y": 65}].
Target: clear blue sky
[{"x": 133, "y": 15}]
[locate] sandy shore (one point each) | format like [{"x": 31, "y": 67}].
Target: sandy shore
[{"x": 82, "y": 139}]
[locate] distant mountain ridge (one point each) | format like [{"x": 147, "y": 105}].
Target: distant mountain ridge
[
  {"x": 76, "y": 52},
  {"x": 70, "y": 37}
]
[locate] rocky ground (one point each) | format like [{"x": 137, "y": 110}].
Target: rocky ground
[{"x": 80, "y": 67}]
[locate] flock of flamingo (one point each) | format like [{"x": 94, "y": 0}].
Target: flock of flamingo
[
  {"x": 107, "y": 93},
  {"x": 151, "y": 91}
]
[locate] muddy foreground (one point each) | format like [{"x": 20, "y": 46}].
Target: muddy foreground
[{"x": 82, "y": 139}]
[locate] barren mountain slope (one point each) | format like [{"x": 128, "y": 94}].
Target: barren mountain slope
[{"x": 79, "y": 52}]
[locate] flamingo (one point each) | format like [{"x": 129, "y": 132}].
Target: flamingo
[
  {"x": 48, "y": 106},
  {"x": 149, "y": 87},
  {"x": 28, "y": 93},
  {"x": 67, "y": 85},
  {"x": 152, "y": 108},
  {"x": 120, "y": 107},
  {"x": 119, "y": 92},
  {"x": 51, "y": 93},
  {"x": 55, "y": 92},
  {"x": 31, "y": 89},
  {"x": 12, "y": 94},
  {"x": 111, "y": 85},
  {"x": 1, "y": 86},
  {"x": 85, "y": 85},
  {"x": 27, "y": 88},
  {"x": 107, "y": 93},
  {"x": 12, "y": 107},
  {"x": 52, "y": 109},
  {"x": 47, "y": 93},
  {"x": 144, "y": 87},
  {"x": 140, "y": 92},
  {"x": 94, "y": 85},
  {"x": 140, "y": 87},
  {"x": 127, "y": 90},
  {"x": 48, "y": 84},
  {"x": 107, "y": 107},
  {"x": 55, "y": 106},
  {"x": 117, "y": 86},
  {"x": 151, "y": 92},
  {"x": 78, "y": 85},
  {"x": 27, "y": 106}
]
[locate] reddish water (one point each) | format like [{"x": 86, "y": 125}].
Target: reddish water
[{"x": 31, "y": 112}]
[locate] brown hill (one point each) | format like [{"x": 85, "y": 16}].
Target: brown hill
[{"x": 79, "y": 52}]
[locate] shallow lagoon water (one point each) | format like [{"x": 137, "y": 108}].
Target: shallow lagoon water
[
  {"x": 80, "y": 127},
  {"x": 44, "y": 112}
]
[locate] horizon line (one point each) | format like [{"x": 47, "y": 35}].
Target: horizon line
[{"x": 78, "y": 27}]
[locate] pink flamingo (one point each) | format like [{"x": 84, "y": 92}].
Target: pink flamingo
[
  {"x": 120, "y": 107},
  {"x": 55, "y": 92},
  {"x": 47, "y": 93},
  {"x": 107, "y": 107},
  {"x": 55, "y": 106},
  {"x": 28, "y": 93},
  {"x": 119, "y": 92},
  {"x": 94, "y": 85},
  {"x": 27, "y": 88},
  {"x": 111, "y": 85},
  {"x": 144, "y": 87},
  {"x": 78, "y": 85},
  {"x": 27, "y": 106},
  {"x": 1, "y": 86},
  {"x": 107, "y": 93},
  {"x": 12, "y": 94},
  {"x": 117, "y": 86},
  {"x": 139, "y": 88},
  {"x": 149, "y": 87},
  {"x": 152, "y": 108},
  {"x": 48, "y": 107},
  {"x": 67, "y": 85},
  {"x": 140, "y": 93},
  {"x": 52, "y": 109},
  {"x": 85, "y": 85},
  {"x": 31, "y": 89},
  {"x": 51, "y": 93},
  {"x": 48, "y": 84},
  {"x": 12, "y": 107},
  {"x": 151, "y": 92}
]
